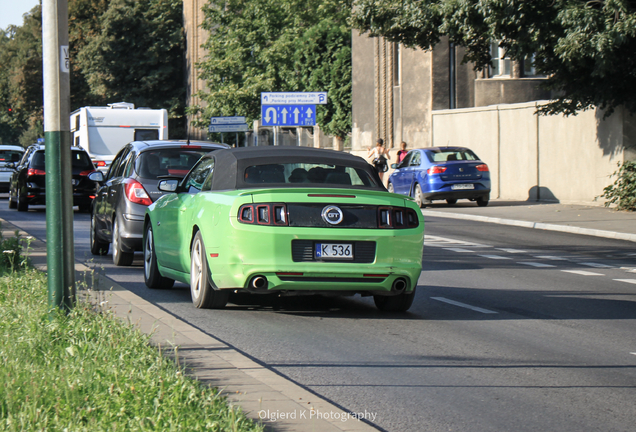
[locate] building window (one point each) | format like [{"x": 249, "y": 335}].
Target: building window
[
  {"x": 396, "y": 64},
  {"x": 500, "y": 63},
  {"x": 528, "y": 67}
]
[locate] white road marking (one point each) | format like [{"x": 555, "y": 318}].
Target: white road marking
[
  {"x": 512, "y": 250},
  {"x": 536, "y": 264},
  {"x": 464, "y": 305},
  {"x": 552, "y": 258},
  {"x": 430, "y": 240},
  {"x": 634, "y": 353},
  {"x": 495, "y": 257},
  {"x": 595, "y": 265},
  {"x": 583, "y": 272},
  {"x": 458, "y": 250},
  {"x": 631, "y": 281}
]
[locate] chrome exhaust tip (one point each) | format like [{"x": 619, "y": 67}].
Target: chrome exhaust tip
[
  {"x": 399, "y": 285},
  {"x": 258, "y": 283}
]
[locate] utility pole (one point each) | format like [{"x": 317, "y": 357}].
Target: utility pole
[{"x": 57, "y": 134}]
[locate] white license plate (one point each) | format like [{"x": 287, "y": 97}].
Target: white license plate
[
  {"x": 462, "y": 186},
  {"x": 334, "y": 250}
]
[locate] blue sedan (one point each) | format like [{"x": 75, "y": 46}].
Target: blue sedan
[{"x": 441, "y": 173}]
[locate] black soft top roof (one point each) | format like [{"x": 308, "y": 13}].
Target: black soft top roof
[{"x": 230, "y": 164}]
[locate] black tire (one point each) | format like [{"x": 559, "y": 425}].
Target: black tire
[
  {"x": 98, "y": 247},
  {"x": 389, "y": 187},
  {"x": 152, "y": 277},
  {"x": 417, "y": 195},
  {"x": 204, "y": 296},
  {"x": 120, "y": 256},
  {"x": 22, "y": 204},
  {"x": 84, "y": 207},
  {"x": 482, "y": 201},
  {"x": 399, "y": 303},
  {"x": 12, "y": 203},
  {"x": 451, "y": 201}
]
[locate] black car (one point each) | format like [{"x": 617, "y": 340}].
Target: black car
[
  {"x": 130, "y": 186},
  {"x": 28, "y": 182}
]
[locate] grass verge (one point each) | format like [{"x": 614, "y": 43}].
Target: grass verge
[{"x": 88, "y": 371}]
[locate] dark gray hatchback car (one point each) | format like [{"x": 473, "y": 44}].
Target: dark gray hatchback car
[{"x": 130, "y": 186}]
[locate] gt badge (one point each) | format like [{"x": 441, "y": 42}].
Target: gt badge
[{"x": 332, "y": 215}]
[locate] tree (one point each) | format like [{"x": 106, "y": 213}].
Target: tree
[
  {"x": 262, "y": 46},
  {"x": 138, "y": 56},
  {"x": 21, "y": 79},
  {"x": 584, "y": 48}
]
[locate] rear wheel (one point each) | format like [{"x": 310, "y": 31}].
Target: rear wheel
[
  {"x": 152, "y": 276},
  {"x": 389, "y": 187},
  {"x": 84, "y": 207},
  {"x": 98, "y": 247},
  {"x": 417, "y": 195},
  {"x": 482, "y": 201},
  {"x": 451, "y": 201},
  {"x": 12, "y": 203},
  {"x": 399, "y": 303},
  {"x": 22, "y": 205},
  {"x": 120, "y": 257},
  {"x": 203, "y": 295}
]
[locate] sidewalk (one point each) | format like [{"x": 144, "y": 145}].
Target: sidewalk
[
  {"x": 577, "y": 219},
  {"x": 263, "y": 394}
]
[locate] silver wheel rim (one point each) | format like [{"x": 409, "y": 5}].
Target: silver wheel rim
[
  {"x": 196, "y": 272},
  {"x": 92, "y": 231},
  {"x": 391, "y": 187},
  {"x": 115, "y": 239},
  {"x": 148, "y": 253},
  {"x": 418, "y": 195}
]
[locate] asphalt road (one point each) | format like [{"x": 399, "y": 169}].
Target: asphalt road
[{"x": 511, "y": 330}]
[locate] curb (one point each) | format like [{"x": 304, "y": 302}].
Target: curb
[{"x": 534, "y": 225}]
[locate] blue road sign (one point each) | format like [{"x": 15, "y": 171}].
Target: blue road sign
[
  {"x": 288, "y": 115},
  {"x": 227, "y": 120},
  {"x": 229, "y": 128},
  {"x": 293, "y": 98}
]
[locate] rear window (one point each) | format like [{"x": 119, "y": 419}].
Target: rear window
[
  {"x": 308, "y": 174},
  {"x": 451, "y": 155},
  {"x": 10, "y": 155},
  {"x": 79, "y": 160},
  {"x": 166, "y": 162}
]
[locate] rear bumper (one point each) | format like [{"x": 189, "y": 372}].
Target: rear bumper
[
  {"x": 398, "y": 255},
  {"x": 460, "y": 194}
]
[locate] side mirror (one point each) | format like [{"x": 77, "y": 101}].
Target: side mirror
[
  {"x": 394, "y": 166},
  {"x": 168, "y": 185},
  {"x": 96, "y": 176}
]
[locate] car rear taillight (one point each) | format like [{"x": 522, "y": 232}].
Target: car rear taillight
[
  {"x": 263, "y": 214},
  {"x": 99, "y": 163},
  {"x": 136, "y": 193},
  {"x": 482, "y": 167},
  {"x": 397, "y": 218},
  {"x": 34, "y": 172},
  {"x": 436, "y": 169},
  {"x": 87, "y": 172}
]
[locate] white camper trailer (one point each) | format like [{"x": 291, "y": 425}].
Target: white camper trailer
[{"x": 103, "y": 131}]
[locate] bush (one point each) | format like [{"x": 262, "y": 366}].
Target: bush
[
  {"x": 623, "y": 191},
  {"x": 11, "y": 253}
]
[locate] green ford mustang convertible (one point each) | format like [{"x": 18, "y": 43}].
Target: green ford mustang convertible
[{"x": 286, "y": 220}]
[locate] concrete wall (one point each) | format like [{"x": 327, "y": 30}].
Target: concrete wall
[
  {"x": 490, "y": 91},
  {"x": 362, "y": 97},
  {"x": 416, "y": 97},
  {"x": 553, "y": 158}
]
